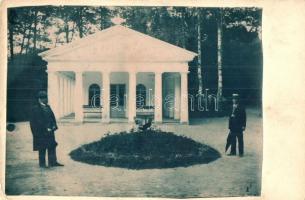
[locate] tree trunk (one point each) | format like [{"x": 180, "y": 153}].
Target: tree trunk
[
  {"x": 184, "y": 28},
  {"x": 199, "y": 67},
  {"x": 80, "y": 23},
  {"x": 11, "y": 41},
  {"x": 219, "y": 58},
  {"x": 24, "y": 36},
  {"x": 65, "y": 16},
  {"x": 28, "y": 41},
  {"x": 73, "y": 31},
  {"x": 102, "y": 15},
  {"x": 22, "y": 43},
  {"x": 67, "y": 30},
  {"x": 11, "y": 25},
  {"x": 56, "y": 40},
  {"x": 35, "y": 29}
]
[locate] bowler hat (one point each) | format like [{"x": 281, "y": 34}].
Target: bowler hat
[{"x": 42, "y": 94}]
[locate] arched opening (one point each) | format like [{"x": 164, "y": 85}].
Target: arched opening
[
  {"x": 141, "y": 96},
  {"x": 94, "y": 95}
]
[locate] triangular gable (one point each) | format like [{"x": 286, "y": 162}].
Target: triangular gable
[{"x": 119, "y": 44}]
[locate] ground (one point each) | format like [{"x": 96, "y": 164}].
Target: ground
[{"x": 227, "y": 176}]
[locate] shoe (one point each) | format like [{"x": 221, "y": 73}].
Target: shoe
[
  {"x": 57, "y": 165},
  {"x": 43, "y": 166},
  {"x": 241, "y": 155},
  {"x": 231, "y": 154}
]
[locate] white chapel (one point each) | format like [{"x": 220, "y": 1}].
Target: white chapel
[{"x": 118, "y": 74}]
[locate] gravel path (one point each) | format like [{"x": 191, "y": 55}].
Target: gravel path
[{"x": 227, "y": 176}]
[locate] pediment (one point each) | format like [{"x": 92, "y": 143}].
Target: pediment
[{"x": 119, "y": 44}]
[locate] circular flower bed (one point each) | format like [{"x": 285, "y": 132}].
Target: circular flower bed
[{"x": 145, "y": 150}]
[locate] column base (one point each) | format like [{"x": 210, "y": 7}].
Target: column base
[
  {"x": 131, "y": 119},
  {"x": 78, "y": 122},
  {"x": 184, "y": 123},
  {"x": 105, "y": 121}
]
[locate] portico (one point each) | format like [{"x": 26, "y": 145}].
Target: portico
[{"x": 118, "y": 73}]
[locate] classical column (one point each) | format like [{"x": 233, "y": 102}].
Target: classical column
[
  {"x": 53, "y": 92},
  {"x": 105, "y": 97},
  {"x": 184, "y": 118},
  {"x": 61, "y": 96},
  {"x": 73, "y": 95},
  {"x": 78, "y": 100},
  {"x": 69, "y": 96},
  {"x": 132, "y": 96},
  {"x": 71, "y": 99},
  {"x": 158, "y": 97},
  {"x": 177, "y": 97},
  {"x": 65, "y": 96}
]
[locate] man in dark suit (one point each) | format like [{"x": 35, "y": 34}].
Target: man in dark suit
[
  {"x": 237, "y": 124},
  {"x": 43, "y": 125}
]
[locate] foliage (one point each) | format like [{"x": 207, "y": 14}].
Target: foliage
[
  {"x": 35, "y": 29},
  {"x": 26, "y": 77},
  {"x": 142, "y": 150}
]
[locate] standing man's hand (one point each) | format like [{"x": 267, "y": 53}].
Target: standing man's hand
[
  {"x": 243, "y": 128},
  {"x": 49, "y": 130}
]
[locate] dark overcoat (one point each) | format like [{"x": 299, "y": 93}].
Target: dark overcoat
[
  {"x": 42, "y": 119},
  {"x": 238, "y": 119}
]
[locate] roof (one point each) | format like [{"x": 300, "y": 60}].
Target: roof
[{"x": 119, "y": 44}]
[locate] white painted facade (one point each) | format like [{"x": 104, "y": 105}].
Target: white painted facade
[{"x": 116, "y": 60}]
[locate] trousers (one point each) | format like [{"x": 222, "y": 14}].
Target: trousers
[
  {"x": 52, "y": 158},
  {"x": 240, "y": 138}
]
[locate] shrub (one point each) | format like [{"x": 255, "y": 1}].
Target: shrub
[{"x": 143, "y": 150}]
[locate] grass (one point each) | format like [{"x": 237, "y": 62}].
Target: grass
[{"x": 145, "y": 150}]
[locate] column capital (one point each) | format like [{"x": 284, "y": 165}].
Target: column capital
[
  {"x": 78, "y": 71},
  {"x": 132, "y": 72},
  {"x": 105, "y": 72},
  {"x": 186, "y": 73}
]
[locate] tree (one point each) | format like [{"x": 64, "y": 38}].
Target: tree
[
  {"x": 27, "y": 26},
  {"x": 11, "y": 26},
  {"x": 40, "y": 18},
  {"x": 219, "y": 58},
  {"x": 217, "y": 35},
  {"x": 136, "y": 18},
  {"x": 63, "y": 18},
  {"x": 84, "y": 17},
  {"x": 19, "y": 23},
  {"x": 199, "y": 66},
  {"x": 105, "y": 16}
]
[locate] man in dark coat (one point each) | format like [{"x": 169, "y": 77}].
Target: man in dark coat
[
  {"x": 43, "y": 125},
  {"x": 237, "y": 124}
]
